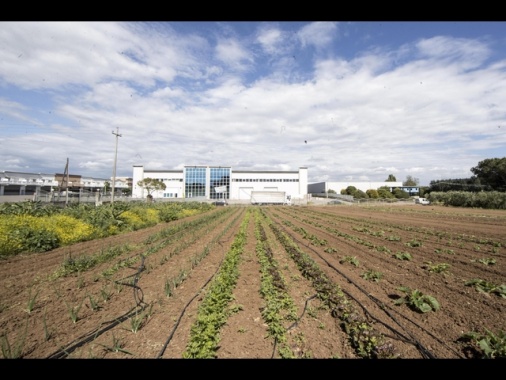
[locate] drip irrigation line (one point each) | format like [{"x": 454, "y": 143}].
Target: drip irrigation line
[
  {"x": 139, "y": 304},
  {"x": 415, "y": 342},
  {"x": 138, "y": 293},
  {"x": 64, "y": 352},
  {"x": 171, "y": 335},
  {"x": 293, "y": 324},
  {"x": 160, "y": 354}
]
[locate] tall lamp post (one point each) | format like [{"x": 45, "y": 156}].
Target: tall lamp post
[{"x": 115, "y": 160}]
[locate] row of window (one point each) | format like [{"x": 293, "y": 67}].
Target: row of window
[{"x": 265, "y": 180}]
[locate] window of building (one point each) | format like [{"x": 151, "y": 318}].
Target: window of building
[{"x": 195, "y": 184}]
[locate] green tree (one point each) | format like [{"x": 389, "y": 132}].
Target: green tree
[
  {"x": 350, "y": 190},
  {"x": 384, "y": 192},
  {"x": 151, "y": 185},
  {"x": 492, "y": 172},
  {"x": 360, "y": 194},
  {"x": 400, "y": 194},
  {"x": 410, "y": 181},
  {"x": 372, "y": 193},
  {"x": 391, "y": 178}
]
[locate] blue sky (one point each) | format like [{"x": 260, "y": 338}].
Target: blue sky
[{"x": 352, "y": 101}]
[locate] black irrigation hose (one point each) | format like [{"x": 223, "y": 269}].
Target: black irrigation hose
[
  {"x": 293, "y": 324},
  {"x": 383, "y": 307},
  {"x": 64, "y": 352},
  {"x": 416, "y": 343},
  {"x": 171, "y": 335},
  {"x": 137, "y": 290},
  {"x": 160, "y": 354}
]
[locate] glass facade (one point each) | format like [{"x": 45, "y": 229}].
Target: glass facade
[
  {"x": 202, "y": 181},
  {"x": 219, "y": 177},
  {"x": 195, "y": 182}
]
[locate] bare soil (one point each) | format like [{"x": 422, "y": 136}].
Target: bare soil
[{"x": 129, "y": 306}]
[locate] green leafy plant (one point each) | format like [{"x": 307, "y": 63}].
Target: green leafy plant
[
  {"x": 403, "y": 256},
  {"x": 436, "y": 268},
  {"x": 372, "y": 275},
  {"x": 413, "y": 243},
  {"x": 489, "y": 345},
  {"x": 418, "y": 301},
  {"x": 485, "y": 261},
  {"x": 350, "y": 259},
  {"x": 487, "y": 287}
]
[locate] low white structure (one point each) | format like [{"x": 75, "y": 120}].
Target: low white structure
[
  {"x": 21, "y": 183},
  {"x": 220, "y": 182},
  {"x": 324, "y": 187},
  {"x": 270, "y": 198}
]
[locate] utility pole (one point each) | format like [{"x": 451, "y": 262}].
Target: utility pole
[{"x": 115, "y": 159}]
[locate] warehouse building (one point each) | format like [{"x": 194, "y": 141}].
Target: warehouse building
[
  {"x": 324, "y": 187},
  {"x": 220, "y": 182},
  {"x": 22, "y": 183}
]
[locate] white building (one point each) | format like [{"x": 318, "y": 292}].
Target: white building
[
  {"x": 324, "y": 187},
  {"x": 20, "y": 183},
  {"x": 204, "y": 181}
]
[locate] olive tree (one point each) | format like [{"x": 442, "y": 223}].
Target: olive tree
[{"x": 151, "y": 185}]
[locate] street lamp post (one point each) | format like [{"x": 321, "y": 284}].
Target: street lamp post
[{"x": 115, "y": 160}]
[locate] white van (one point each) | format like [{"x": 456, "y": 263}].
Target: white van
[{"x": 422, "y": 201}]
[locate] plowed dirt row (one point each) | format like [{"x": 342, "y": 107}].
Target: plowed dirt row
[
  {"x": 462, "y": 308},
  {"x": 123, "y": 308}
]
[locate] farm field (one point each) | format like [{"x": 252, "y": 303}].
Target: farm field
[{"x": 337, "y": 281}]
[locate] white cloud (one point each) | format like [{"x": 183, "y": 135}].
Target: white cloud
[
  {"x": 317, "y": 34},
  {"x": 429, "y": 108}
]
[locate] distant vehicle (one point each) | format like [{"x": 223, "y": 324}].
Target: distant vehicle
[
  {"x": 422, "y": 201},
  {"x": 270, "y": 198},
  {"x": 220, "y": 203}
]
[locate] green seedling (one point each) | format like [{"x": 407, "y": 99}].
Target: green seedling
[
  {"x": 93, "y": 303},
  {"x": 417, "y": 300},
  {"x": 487, "y": 287},
  {"x": 372, "y": 275},
  {"x": 436, "y": 268},
  {"x": 489, "y": 345},
  {"x": 117, "y": 346},
  {"x": 489, "y": 261},
  {"x": 403, "y": 256},
  {"x": 74, "y": 311},
  {"x": 350, "y": 259},
  {"x": 31, "y": 301},
  {"x": 15, "y": 351}
]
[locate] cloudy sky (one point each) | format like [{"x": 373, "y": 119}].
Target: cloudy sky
[{"x": 351, "y": 101}]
